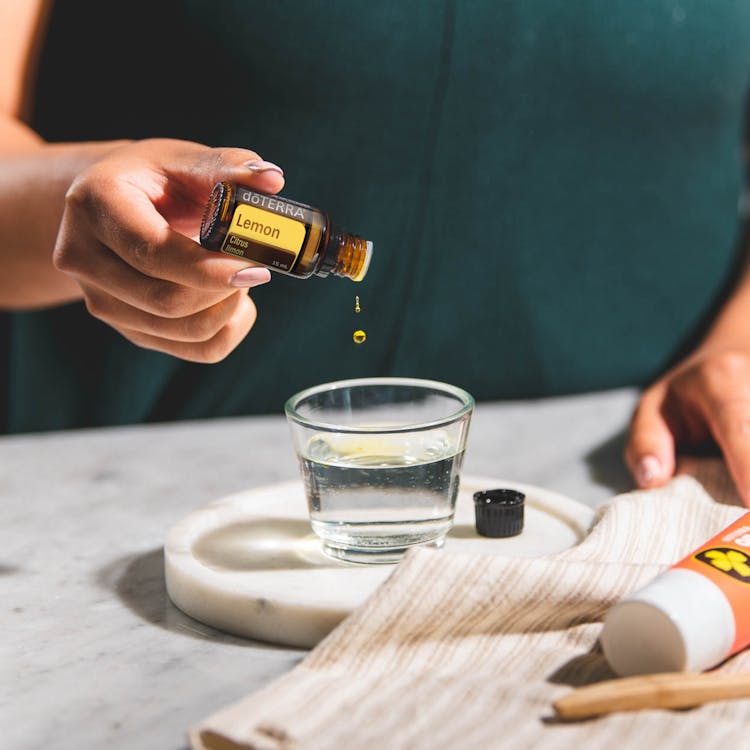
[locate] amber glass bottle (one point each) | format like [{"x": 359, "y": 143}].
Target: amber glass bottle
[{"x": 284, "y": 235}]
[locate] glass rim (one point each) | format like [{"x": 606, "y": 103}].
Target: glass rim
[{"x": 466, "y": 406}]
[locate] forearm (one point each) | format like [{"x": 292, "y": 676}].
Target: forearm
[
  {"x": 34, "y": 177},
  {"x": 731, "y": 327}
]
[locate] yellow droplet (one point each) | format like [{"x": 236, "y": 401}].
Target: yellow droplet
[
  {"x": 359, "y": 337},
  {"x": 356, "y": 304}
]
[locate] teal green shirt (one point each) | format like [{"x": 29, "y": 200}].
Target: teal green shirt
[{"x": 553, "y": 190}]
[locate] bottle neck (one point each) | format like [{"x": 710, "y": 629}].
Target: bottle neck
[{"x": 345, "y": 255}]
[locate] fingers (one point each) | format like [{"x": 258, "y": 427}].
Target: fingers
[
  {"x": 710, "y": 396},
  {"x": 121, "y": 218},
  {"x": 161, "y": 315},
  {"x": 194, "y": 328},
  {"x": 185, "y": 172},
  {"x": 126, "y": 236},
  {"x": 184, "y": 202},
  {"x": 165, "y": 318},
  {"x": 650, "y": 450},
  {"x": 226, "y": 338},
  {"x": 243, "y": 166},
  {"x": 99, "y": 269}
]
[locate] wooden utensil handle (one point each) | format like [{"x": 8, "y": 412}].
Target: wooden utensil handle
[{"x": 669, "y": 690}]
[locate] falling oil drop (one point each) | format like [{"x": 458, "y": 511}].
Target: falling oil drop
[
  {"x": 359, "y": 337},
  {"x": 356, "y": 304}
]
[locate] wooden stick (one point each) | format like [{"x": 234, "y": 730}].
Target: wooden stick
[{"x": 668, "y": 690}]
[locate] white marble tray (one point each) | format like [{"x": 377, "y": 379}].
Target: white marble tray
[{"x": 249, "y": 564}]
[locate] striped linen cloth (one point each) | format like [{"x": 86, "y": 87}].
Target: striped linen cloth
[{"x": 469, "y": 651}]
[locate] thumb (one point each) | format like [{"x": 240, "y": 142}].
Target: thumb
[
  {"x": 237, "y": 165},
  {"x": 196, "y": 168},
  {"x": 192, "y": 170},
  {"x": 650, "y": 450}
]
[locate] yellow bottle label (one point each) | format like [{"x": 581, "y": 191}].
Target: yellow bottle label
[{"x": 254, "y": 225}]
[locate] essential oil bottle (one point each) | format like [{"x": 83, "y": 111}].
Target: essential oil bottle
[{"x": 286, "y": 236}]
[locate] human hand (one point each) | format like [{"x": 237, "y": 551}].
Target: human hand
[
  {"x": 128, "y": 237},
  {"x": 704, "y": 399}
]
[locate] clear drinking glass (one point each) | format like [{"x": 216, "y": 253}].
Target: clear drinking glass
[{"x": 380, "y": 459}]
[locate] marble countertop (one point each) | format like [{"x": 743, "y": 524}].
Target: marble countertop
[{"x": 94, "y": 654}]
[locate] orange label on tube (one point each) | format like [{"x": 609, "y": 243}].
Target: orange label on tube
[{"x": 725, "y": 560}]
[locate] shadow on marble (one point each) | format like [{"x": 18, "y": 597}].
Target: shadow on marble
[
  {"x": 138, "y": 581},
  {"x": 606, "y": 464},
  {"x": 9, "y": 570},
  {"x": 262, "y": 543}
]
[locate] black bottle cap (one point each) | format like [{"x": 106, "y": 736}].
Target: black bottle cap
[{"x": 499, "y": 513}]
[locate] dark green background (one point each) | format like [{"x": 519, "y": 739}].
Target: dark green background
[{"x": 552, "y": 189}]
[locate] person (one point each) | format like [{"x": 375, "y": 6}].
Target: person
[{"x": 552, "y": 190}]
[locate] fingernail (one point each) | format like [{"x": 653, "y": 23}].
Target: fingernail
[
  {"x": 647, "y": 469},
  {"x": 249, "y": 277},
  {"x": 258, "y": 165}
]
